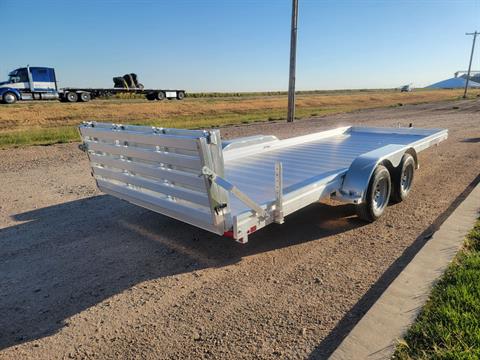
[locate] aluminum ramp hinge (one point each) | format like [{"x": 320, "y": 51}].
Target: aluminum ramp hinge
[
  {"x": 235, "y": 191},
  {"x": 211, "y": 137},
  {"x": 218, "y": 209}
]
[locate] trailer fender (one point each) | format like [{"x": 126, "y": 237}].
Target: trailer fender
[
  {"x": 4, "y": 90},
  {"x": 357, "y": 178},
  {"x": 412, "y": 152}
]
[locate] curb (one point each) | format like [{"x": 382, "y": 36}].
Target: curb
[{"x": 376, "y": 334}]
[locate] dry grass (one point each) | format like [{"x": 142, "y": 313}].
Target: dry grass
[{"x": 50, "y": 122}]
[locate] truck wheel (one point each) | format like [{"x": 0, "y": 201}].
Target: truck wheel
[
  {"x": 378, "y": 194},
  {"x": 160, "y": 95},
  {"x": 403, "y": 178},
  {"x": 9, "y": 98},
  {"x": 85, "y": 97},
  {"x": 151, "y": 96},
  {"x": 71, "y": 96},
  {"x": 180, "y": 95}
]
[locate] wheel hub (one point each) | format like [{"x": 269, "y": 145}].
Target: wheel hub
[
  {"x": 380, "y": 194},
  {"x": 406, "y": 179},
  {"x": 9, "y": 98}
]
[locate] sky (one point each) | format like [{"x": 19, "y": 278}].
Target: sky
[{"x": 241, "y": 45}]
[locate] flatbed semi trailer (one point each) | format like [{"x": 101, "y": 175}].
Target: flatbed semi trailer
[
  {"x": 40, "y": 83},
  {"x": 237, "y": 187},
  {"x": 86, "y": 94}
]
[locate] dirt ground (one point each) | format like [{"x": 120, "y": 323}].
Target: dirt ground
[{"x": 85, "y": 275}]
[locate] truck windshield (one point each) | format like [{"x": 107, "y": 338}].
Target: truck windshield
[
  {"x": 19, "y": 75},
  {"x": 13, "y": 79}
]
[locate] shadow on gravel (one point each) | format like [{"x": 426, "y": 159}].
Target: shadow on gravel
[
  {"x": 471, "y": 140},
  {"x": 328, "y": 345},
  {"x": 66, "y": 258}
]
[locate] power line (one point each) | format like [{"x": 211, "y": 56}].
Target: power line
[
  {"x": 293, "y": 57},
  {"x": 470, "y": 63}
]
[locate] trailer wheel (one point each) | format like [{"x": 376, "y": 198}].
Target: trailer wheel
[
  {"x": 180, "y": 95},
  {"x": 160, "y": 95},
  {"x": 85, "y": 97},
  {"x": 378, "y": 195},
  {"x": 403, "y": 178},
  {"x": 151, "y": 96},
  {"x": 9, "y": 98},
  {"x": 71, "y": 96}
]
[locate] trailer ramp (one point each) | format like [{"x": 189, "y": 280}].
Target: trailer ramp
[{"x": 160, "y": 169}]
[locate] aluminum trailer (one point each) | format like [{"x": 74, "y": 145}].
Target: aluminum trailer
[{"x": 237, "y": 187}]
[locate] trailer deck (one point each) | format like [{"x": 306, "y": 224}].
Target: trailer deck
[
  {"x": 306, "y": 160},
  {"x": 239, "y": 186}
]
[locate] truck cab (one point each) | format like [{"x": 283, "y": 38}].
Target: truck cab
[{"x": 29, "y": 83}]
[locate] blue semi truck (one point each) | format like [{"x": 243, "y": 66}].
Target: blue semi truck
[{"x": 40, "y": 83}]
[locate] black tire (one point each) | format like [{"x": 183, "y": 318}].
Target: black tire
[
  {"x": 403, "y": 178},
  {"x": 160, "y": 95},
  {"x": 85, "y": 97},
  {"x": 9, "y": 98},
  {"x": 378, "y": 195},
  {"x": 180, "y": 95},
  {"x": 71, "y": 97},
  {"x": 151, "y": 96}
]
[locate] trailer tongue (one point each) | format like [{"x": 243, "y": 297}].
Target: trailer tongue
[{"x": 236, "y": 187}]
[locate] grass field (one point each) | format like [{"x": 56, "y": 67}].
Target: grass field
[
  {"x": 54, "y": 122},
  {"x": 449, "y": 325}
]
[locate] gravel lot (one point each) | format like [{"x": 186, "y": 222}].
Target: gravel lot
[{"x": 84, "y": 275}]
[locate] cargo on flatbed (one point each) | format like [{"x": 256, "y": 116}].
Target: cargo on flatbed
[{"x": 239, "y": 186}]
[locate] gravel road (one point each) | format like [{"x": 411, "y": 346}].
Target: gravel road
[{"x": 85, "y": 275}]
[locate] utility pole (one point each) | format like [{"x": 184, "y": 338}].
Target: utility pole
[
  {"x": 470, "y": 64},
  {"x": 293, "y": 57}
]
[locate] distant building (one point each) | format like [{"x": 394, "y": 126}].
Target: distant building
[
  {"x": 454, "y": 83},
  {"x": 474, "y": 75},
  {"x": 458, "y": 81}
]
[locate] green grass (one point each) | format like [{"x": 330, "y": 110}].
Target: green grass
[
  {"x": 196, "y": 95},
  {"x": 67, "y": 133},
  {"x": 277, "y": 93},
  {"x": 40, "y": 136},
  {"x": 449, "y": 325}
]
